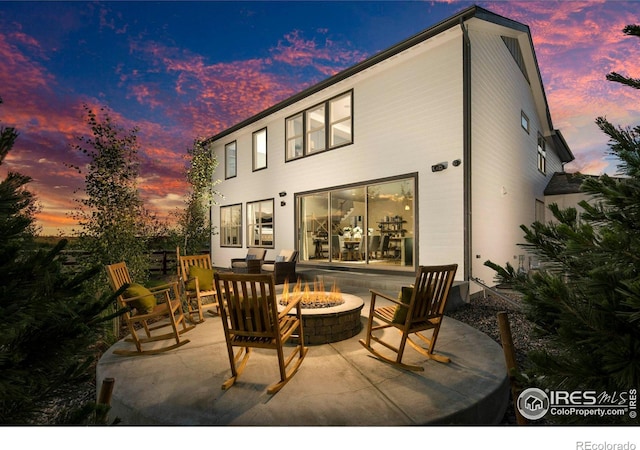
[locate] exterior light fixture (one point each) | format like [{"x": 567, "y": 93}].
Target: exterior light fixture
[
  {"x": 282, "y": 194},
  {"x": 439, "y": 167}
]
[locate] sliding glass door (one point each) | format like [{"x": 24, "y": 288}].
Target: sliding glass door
[{"x": 368, "y": 224}]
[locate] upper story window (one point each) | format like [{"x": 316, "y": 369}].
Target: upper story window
[
  {"x": 524, "y": 121},
  {"x": 260, "y": 149},
  {"x": 316, "y": 130},
  {"x": 322, "y": 127},
  {"x": 230, "y": 160},
  {"x": 542, "y": 154}
]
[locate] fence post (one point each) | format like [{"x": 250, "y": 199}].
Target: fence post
[
  {"x": 164, "y": 262},
  {"x": 104, "y": 398},
  {"x": 510, "y": 360}
]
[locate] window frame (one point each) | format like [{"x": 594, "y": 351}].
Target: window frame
[
  {"x": 254, "y": 136},
  {"x": 524, "y": 122},
  {"x": 541, "y": 154},
  {"x": 331, "y": 123},
  {"x": 224, "y": 227},
  {"x": 327, "y": 127},
  {"x": 227, "y": 166},
  {"x": 250, "y": 224}
]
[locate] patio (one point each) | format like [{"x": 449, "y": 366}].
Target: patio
[{"x": 338, "y": 383}]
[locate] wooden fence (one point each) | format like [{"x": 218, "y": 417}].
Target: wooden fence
[{"x": 163, "y": 262}]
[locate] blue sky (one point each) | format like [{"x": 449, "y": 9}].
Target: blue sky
[{"x": 183, "y": 70}]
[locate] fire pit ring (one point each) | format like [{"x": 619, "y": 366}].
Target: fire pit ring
[{"x": 332, "y": 324}]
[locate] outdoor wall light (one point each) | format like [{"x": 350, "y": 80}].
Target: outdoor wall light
[
  {"x": 439, "y": 167},
  {"x": 283, "y": 203},
  {"x": 282, "y": 194}
]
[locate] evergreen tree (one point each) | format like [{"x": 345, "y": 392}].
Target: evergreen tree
[
  {"x": 586, "y": 301},
  {"x": 49, "y": 327}
]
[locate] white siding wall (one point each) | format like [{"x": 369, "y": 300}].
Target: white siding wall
[
  {"x": 505, "y": 178},
  {"x": 407, "y": 117},
  {"x": 565, "y": 201}
]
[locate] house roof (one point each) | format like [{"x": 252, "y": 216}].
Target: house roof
[
  {"x": 564, "y": 183},
  {"x": 453, "y": 21}
]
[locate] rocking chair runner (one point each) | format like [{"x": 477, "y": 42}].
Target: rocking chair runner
[
  {"x": 170, "y": 308},
  {"x": 251, "y": 319},
  {"x": 424, "y": 311},
  {"x": 196, "y": 275}
]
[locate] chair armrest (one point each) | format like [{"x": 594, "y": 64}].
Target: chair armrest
[
  {"x": 289, "y": 307},
  {"x": 161, "y": 287},
  {"x": 375, "y": 294},
  {"x": 158, "y": 292},
  {"x": 284, "y": 264}
]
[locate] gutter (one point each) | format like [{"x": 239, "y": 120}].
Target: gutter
[{"x": 467, "y": 144}]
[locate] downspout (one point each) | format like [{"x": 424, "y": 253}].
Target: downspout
[{"x": 466, "y": 137}]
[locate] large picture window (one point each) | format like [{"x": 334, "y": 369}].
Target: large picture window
[
  {"x": 230, "y": 160},
  {"x": 260, "y": 149},
  {"x": 322, "y": 127},
  {"x": 231, "y": 226},
  {"x": 260, "y": 224},
  {"x": 372, "y": 223}
]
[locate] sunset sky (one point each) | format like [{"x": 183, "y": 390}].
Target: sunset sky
[{"x": 185, "y": 70}]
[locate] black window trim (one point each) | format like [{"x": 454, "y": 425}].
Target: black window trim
[
  {"x": 226, "y": 155},
  {"x": 253, "y": 150},
  {"x": 328, "y": 147},
  {"x": 273, "y": 223},
  {"x": 241, "y": 243}
]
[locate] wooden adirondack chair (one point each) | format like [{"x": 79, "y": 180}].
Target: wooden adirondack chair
[
  {"x": 419, "y": 310},
  {"x": 148, "y": 318},
  {"x": 196, "y": 277},
  {"x": 251, "y": 319}
]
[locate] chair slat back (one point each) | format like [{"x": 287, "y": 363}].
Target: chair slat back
[
  {"x": 202, "y": 261},
  {"x": 431, "y": 290},
  {"x": 250, "y": 309},
  {"x": 118, "y": 275}
]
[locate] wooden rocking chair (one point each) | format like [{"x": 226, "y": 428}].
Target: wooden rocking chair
[
  {"x": 251, "y": 319},
  {"x": 150, "y": 320},
  {"x": 196, "y": 276},
  {"x": 420, "y": 308}
]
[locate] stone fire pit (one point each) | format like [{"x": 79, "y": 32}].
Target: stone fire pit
[{"x": 324, "y": 324}]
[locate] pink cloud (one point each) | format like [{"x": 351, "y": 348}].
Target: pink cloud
[
  {"x": 577, "y": 44},
  {"x": 328, "y": 57}
]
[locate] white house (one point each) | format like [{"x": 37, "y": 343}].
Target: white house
[{"x": 438, "y": 148}]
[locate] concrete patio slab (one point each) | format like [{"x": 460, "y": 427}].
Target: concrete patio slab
[{"x": 338, "y": 384}]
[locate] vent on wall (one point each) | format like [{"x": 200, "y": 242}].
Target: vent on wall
[{"x": 514, "y": 48}]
